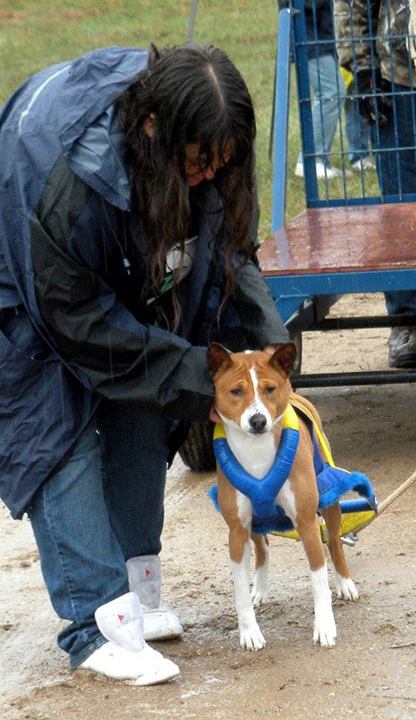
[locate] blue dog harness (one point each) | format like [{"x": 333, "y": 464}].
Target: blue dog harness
[{"x": 332, "y": 481}]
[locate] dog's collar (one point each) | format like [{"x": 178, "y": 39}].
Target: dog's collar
[{"x": 262, "y": 493}]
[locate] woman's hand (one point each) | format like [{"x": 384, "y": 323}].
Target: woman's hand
[{"x": 213, "y": 415}]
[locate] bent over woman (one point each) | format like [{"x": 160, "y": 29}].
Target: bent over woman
[{"x": 127, "y": 242}]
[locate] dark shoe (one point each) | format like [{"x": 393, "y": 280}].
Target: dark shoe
[{"x": 402, "y": 347}]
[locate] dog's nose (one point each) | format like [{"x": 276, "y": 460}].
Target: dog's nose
[{"x": 258, "y": 422}]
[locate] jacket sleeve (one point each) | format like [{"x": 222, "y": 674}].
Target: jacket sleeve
[
  {"x": 256, "y": 309},
  {"x": 251, "y": 306},
  {"x": 353, "y": 29},
  {"x": 103, "y": 344}
]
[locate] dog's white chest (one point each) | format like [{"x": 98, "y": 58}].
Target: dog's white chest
[{"x": 256, "y": 454}]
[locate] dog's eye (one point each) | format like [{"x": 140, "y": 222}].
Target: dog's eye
[
  {"x": 269, "y": 390},
  {"x": 237, "y": 392}
]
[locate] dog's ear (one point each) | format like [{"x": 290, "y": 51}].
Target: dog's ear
[
  {"x": 284, "y": 357},
  {"x": 218, "y": 357}
]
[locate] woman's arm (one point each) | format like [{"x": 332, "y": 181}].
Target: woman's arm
[{"x": 103, "y": 344}]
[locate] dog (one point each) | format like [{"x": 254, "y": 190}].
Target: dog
[{"x": 252, "y": 390}]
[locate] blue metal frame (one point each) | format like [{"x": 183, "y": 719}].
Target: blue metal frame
[
  {"x": 296, "y": 292},
  {"x": 293, "y": 45},
  {"x": 293, "y": 290},
  {"x": 281, "y": 119}
]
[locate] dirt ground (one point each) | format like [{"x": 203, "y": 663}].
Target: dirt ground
[{"x": 371, "y": 672}]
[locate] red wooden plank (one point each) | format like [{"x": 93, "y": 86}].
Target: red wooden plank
[{"x": 358, "y": 238}]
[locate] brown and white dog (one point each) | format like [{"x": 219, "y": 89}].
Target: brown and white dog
[{"x": 252, "y": 391}]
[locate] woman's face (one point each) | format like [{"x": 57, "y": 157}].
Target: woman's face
[{"x": 197, "y": 167}]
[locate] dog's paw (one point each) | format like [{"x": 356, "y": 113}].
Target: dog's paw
[
  {"x": 258, "y": 595},
  {"x": 325, "y": 630},
  {"x": 252, "y": 638},
  {"x": 346, "y": 588}
]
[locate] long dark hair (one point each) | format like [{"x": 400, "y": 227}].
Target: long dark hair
[{"x": 197, "y": 96}]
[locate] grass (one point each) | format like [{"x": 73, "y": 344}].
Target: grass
[{"x": 34, "y": 34}]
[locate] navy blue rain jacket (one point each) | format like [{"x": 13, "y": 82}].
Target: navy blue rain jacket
[{"x": 73, "y": 324}]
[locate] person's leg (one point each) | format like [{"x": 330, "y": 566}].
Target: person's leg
[
  {"x": 82, "y": 562},
  {"x": 329, "y": 91},
  {"x": 135, "y": 452},
  {"x": 357, "y": 131},
  {"x": 85, "y": 572},
  {"x": 396, "y": 169}
]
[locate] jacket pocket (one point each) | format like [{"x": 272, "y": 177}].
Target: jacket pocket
[
  {"x": 20, "y": 336},
  {"x": 24, "y": 373}
]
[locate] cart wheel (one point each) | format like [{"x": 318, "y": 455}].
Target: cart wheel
[
  {"x": 297, "y": 339},
  {"x": 197, "y": 452}
]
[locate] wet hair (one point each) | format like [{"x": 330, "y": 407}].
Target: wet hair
[{"x": 197, "y": 96}]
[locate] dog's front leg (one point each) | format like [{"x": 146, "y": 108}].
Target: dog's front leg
[
  {"x": 259, "y": 591},
  {"x": 251, "y": 637},
  {"x": 325, "y": 631}
]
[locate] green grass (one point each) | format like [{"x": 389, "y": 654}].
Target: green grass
[{"x": 34, "y": 34}]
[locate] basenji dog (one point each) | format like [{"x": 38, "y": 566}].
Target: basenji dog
[{"x": 252, "y": 391}]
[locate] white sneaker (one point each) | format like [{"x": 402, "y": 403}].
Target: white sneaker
[
  {"x": 299, "y": 169},
  {"x": 160, "y": 624},
  {"x": 363, "y": 164},
  {"x": 329, "y": 172},
  {"x": 322, "y": 171},
  {"x": 146, "y": 667}
]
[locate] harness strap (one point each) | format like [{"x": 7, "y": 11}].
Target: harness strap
[
  {"x": 261, "y": 492},
  {"x": 332, "y": 481}
]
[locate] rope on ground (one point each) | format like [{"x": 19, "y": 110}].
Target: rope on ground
[
  {"x": 350, "y": 538},
  {"x": 396, "y": 493}
]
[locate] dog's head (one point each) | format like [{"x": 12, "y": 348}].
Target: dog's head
[{"x": 252, "y": 388}]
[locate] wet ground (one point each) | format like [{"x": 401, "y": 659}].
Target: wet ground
[{"x": 371, "y": 672}]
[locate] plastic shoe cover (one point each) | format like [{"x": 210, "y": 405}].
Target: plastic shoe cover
[
  {"x": 160, "y": 624},
  {"x": 146, "y": 667},
  {"x": 145, "y": 578},
  {"x": 121, "y": 622}
]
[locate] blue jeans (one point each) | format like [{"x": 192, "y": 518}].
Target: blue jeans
[
  {"x": 357, "y": 130},
  {"x": 102, "y": 507},
  {"x": 329, "y": 92},
  {"x": 396, "y": 170}
]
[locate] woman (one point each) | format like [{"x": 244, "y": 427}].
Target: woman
[{"x": 127, "y": 242}]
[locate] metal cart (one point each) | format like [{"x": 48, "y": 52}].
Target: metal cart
[{"x": 342, "y": 243}]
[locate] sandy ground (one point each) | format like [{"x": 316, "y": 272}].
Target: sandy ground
[{"x": 371, "y": 672}]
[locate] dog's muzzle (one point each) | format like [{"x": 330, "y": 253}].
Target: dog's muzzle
[{"x": 257, "y": 423}]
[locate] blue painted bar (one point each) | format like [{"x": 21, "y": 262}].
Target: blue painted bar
[
  {"x": 291, "y": 291},
  {"x": 281, "y": 115}
]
